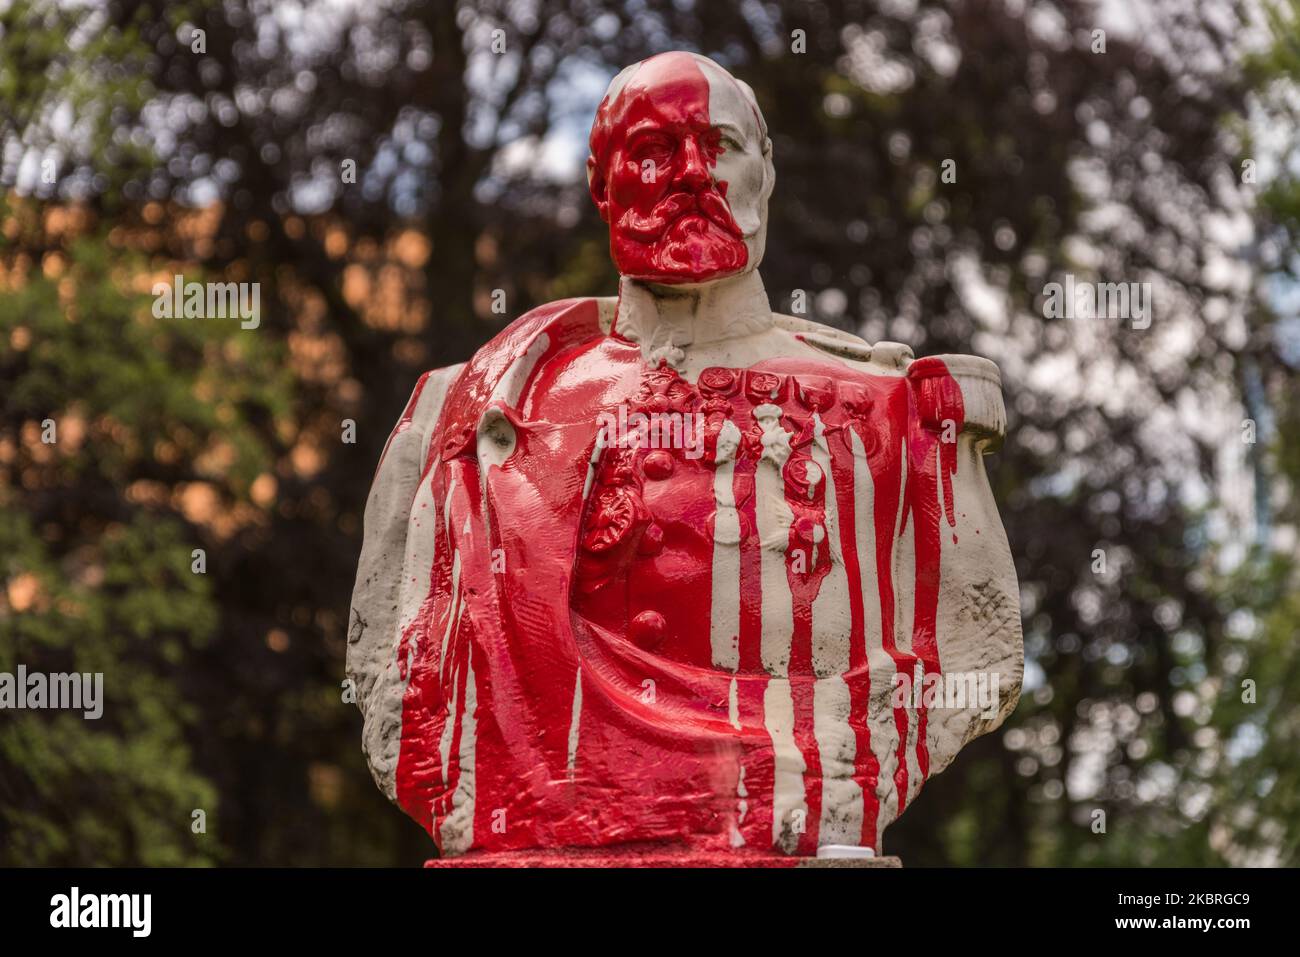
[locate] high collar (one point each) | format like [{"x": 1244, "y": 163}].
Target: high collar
[{"x": 664, "y": 321}]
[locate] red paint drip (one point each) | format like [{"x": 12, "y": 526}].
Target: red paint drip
[
  {"x": 807, "y": 564},
  {"x": 938, "y": 419},
  {"x": 760, "y": 769},
  {"x": 866, "y": 771}
]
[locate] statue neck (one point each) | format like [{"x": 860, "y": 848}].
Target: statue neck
[{"x": 665, "y": 320}]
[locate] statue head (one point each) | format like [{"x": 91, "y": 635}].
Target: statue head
[{"x": 681, "y": 170}]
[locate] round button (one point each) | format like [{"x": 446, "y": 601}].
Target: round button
[
  {"x": 648, "y": 629},
  {"x": 658, "y": 464}
]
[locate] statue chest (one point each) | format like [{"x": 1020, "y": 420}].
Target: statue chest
[{"x": 751, "y": 521}]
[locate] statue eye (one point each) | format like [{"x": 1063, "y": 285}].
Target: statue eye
[
  {"x": 653, "y": 147},
  {"x": 724, "y": 139}
]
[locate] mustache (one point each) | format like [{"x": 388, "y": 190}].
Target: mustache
[{"x": 709, "y": 203}]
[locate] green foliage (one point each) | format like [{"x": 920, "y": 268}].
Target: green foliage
[
  {"x": 99, "y": 583},
  {"x": 118, "y": 789}
]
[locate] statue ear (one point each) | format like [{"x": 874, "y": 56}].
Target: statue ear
[
  {"x": 596, "y": 183},
  {"x": 769, "y": 169}
]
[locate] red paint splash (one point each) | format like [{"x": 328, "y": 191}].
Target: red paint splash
[
  {"x": 654, "y": 755},
  {"x": 653, "y": 149}
]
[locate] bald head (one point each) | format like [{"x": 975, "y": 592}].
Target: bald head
[{"x": 664, "y": 70}]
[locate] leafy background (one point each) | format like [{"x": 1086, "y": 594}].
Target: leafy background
[{"x": 1169, "y": 158}]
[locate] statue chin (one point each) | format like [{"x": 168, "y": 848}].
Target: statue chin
[{"x": 682, "y": 257}]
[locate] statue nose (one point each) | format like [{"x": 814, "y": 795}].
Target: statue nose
[{"x": 694, "y": 173}]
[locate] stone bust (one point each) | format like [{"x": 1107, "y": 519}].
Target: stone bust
[{"x": 669, "y": 573}]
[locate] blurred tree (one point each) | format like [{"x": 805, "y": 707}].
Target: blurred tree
[{"x": 219, "y": 138}]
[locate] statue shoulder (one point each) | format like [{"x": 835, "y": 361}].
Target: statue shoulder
[
  {"x": 514, "y": 352},
  {"x": 567, "y": 321},
  {"x": 978, "y": 378},
  {"x": 499, "y": 372},
  {"x": 890, "y": 356},
  {"x": 827, "y": 338}
]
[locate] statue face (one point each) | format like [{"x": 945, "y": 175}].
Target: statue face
[{"x": 681, "y": 172}]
